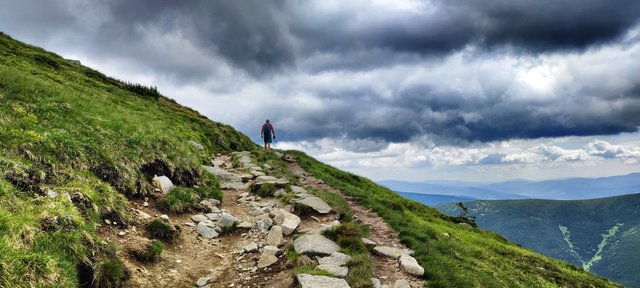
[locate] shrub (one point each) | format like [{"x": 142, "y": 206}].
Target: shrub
[
  {"x": 179, "y": 200},
  {"x": 109, "y": 273},
  {"x": 151, "y": 253},
  {"x": 163, "y": 231}
]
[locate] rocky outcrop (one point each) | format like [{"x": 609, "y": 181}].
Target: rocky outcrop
[
  {"x": 391, "y": 252},
  {"x": 315, "y": 244},
  {"x": 316, "y": 281},
  {"x": 315, "y": 203},
  {"x": 163, "y": 183}
]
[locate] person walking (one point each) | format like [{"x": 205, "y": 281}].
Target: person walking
[{"x": 266, "y": 133}]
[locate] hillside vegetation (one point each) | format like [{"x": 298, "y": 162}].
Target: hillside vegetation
[
  {"x": 600, "y": 235},
  {"x": 76, "y": 146}
]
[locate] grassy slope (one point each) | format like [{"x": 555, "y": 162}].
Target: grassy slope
[
  {"x": 71, "y": 129},
  {"x": 470, "y": 257}
]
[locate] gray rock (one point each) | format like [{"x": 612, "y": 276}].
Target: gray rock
[
  {"x": 288, "y": 221},
  {"x": 239, "y": 185},
  {"x": 210, "y": 206},
  {"x": 245, "y": 225},
  {"x": 51, "y": 194},
  {"x": 391, "y": 252},
  {"x": 206, "y": 232},
  {"x": 268, "y": 256},
  {"x": 410, "y": 265},
  {"x": 316, "y": 204},
  {"x": 402, "y": 284},
  {"x": 258, "y": 174},
  {"x": 223, "y": 175},
  {"x": 275, "y": 238},
  {"x": 164, "y": 217},
  {"x": 335, "y": 259},
  {"x": 251, "y": 247},
  {"x": 213, "y": 216},
  {"x": 209, "y": 223},
  {"x": 337, "y": 271},
  {"x": 317, "y": 281},
  {"x": 163, "y": 183},
  {"x": 445, "y": 234},
  {"x": 368, "y": 242},
  {"x": 314, "y": 244},
  {"x": 202, "y": 281},
  {"x": 227, "y": 220},
  {"x": 267, "y": 166},
  {"x": 280, "y": 192},
  {"x": 263, "y": 179},
  {"x": 278, "y": 154},
  {"x": 247, "y": 176},
  {"x": 197, "y": 145},
  {"x": 377, "y": 284},
  {"x": 323, "y": 227},
  {"x": 298, "y": 189},
  {"x": 304, "y": 196},
  {"x": 264, "y": 224},
  {"x": 199, "y": 218}
]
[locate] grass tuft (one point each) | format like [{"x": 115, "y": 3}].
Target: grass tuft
[
  {"x": 109, "y": 273},
  {"x": 159, "y": 229},
  {"x": 150, "y": 254}
]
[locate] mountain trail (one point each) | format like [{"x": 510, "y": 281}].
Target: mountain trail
[{"x": 245, "y": 255}]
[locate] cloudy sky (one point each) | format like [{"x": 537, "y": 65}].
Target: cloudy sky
[{"x": 483, "y": 90}]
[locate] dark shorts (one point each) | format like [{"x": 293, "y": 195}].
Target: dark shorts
[{"x": 267, "y": 139}]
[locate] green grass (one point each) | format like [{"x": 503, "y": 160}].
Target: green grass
[
  {"x": 470, "y": 257},
  {"x": 159, "y": 229},
  {"x": 99, "y": 140},
  {"x": 151, "y": 253}
]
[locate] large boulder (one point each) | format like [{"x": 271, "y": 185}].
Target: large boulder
[
  {"x": 315, "y": 203},
  {"x": 223, "y": 175},
  {"x": 410, "y": 265},
  {"x": 315, "y": 244},
  {"x": 317, "y": 281},
  {"x": 163, "y": 183}
]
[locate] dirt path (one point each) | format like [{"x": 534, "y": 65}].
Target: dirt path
[{"x": 386, "y": 269}]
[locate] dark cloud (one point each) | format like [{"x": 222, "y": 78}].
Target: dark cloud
[{"x": 190, "y": 42}]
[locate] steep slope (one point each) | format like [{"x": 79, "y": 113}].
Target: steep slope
[
  {"x": 600, "y": 235},
  {"x": 80, "y": 150}
]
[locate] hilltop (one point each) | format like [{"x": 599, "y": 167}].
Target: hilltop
[{"x": 79, "y": 205}]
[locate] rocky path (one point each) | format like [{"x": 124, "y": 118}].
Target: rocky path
[{"x": 241, "y": 241}]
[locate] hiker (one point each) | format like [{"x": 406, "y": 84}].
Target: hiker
[{"x": 266, "y": 132}]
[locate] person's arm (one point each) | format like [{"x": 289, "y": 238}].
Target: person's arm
[
  {"x": 273, "y": 131},
  {"x": 262, "y": 131}
]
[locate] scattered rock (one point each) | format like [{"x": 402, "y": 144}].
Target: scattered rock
[
  {"x": 267, "y": 166},
  {"x": 278, "y": 154},
  {"x": 337, "y": 271},
  {"x": 391, "y": 252},
  {"x": 268, "y": 256},
  {"x": 163, "y": 183},
  {"x": 51, "y": 194},
  {"x": 197, "y": 145},
  {"x": 122, "y": 233},
  {"x": 402, "y": 284},
  {"x": 203, "y": 281},
  {"x": 280, "y": 192},
  {"x": 335, "y": 259},
  {"x": 304, "y": 260},
  {"x": 223, "y": 175},
  {"x": 143, "y": 215},
  {"x": 245, "y": 225},
  {"x": 199, "y": 218},
  {"x": 263, "y": 179},
  {"x": 107, "y": 221},
  {"x": 445, "y": 234},
  {"x": 251, "y": 247},
  {"x": 289, "y": 158},
  {"x": 317, "y": 281},
  {"x": 316, "y": 204},
  {"x": 323, "y": 227},
  {"x": 315, "y": 244},
  {"x": 377, "y": 284},
  {"x": 298, "y": 189},
  {"x": 213, "y": 216},
  {"x": 235, "y": 185},
  {"x": 206, "y": 231},
  {"x": 264, "y": 224},
  {"x": 209, "y": 206},
  {"x": 410, "y": 265},
  {"x": 288, "y": 221},
  {"x": 368, "y": 242},
  {"x": 164, "y": 217},
  {"x": 190, "y": 224},
  {"x": 145, "y": 204},
  {"x": 227, "y": 220},
  {"x": 275, "y": 237}
]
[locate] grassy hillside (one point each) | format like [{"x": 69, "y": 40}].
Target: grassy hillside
[
  {"x": 469, "y": 257},
  {"x": 94, "y": 141},
  {"x": 600, "y": 235}
]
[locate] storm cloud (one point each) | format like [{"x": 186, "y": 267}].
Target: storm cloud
[{"x": 366, "y": 73}]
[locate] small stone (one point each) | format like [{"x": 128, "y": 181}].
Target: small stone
[
  {"x": 143, "y": 215},
  {"x": 368, "y": 242},
  {"x": 199, "y": 218},
  {"x": 402, "y": 284},
  {"x": 445, "y": 234},
  {"x": 206, "y": 232},
  {"x": 164, "y": 217},
  {"x": 122, "y": 233},
  {"x": 134, "y": 229},
  {"x": 279, "y": 192},
  {"x": 340, "y": 272},
  {"x": 391, "y": 252},
  {"x": 251, "y": 247},
  {"x": 410, "y": 265},
  {"x": 336, "y": 259},
  {"x": 275, "y": 237},
  {"x": 227, "y": 220},
  {"x": 51, "y": 194},
  {"x": 145, "y": 204},
  {"x": 106, "y": 221},
  {"x": 196, "y": 145},
  {"x": 163, "y": 183},
  {"x": 288, "y": 221},
  {"x": 316, "y": 204},
  {"x": 317, "y": 281},
  {"x": 190, "y": 224},
  {"x": 245, "y": 225},
  {"x": 267, "y": 259},
  {"x": 203, "y": 281},
  {"x": 213, "y": 216},
  {"x": 264, "y": 224}
]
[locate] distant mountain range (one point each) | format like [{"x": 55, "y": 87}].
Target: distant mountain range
[
  {"x": 560, "y": 189},
  {"x": 599, "y": 235},
  {"x": 433, "y": 199}
]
